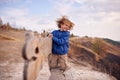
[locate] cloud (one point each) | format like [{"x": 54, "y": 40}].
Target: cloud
[
  {"x": 13, "y": 1},
  {"x": 29, "y": 1},
  {"x": 99, "y": 24},
  {"x": 7, "y": 1},
  {"x": 93, "y": 18},
  {"x": 13, "y": 14},
  {"x": 88, "y": 5},
  {"x": 61, "y": 7},
  {"x": 16, "y": 12},
  {"x": 101, "y": 5},
  {"x": 20, "y": 17}
]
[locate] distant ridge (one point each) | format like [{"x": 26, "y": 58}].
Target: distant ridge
[{"x": 116, "y": 43}]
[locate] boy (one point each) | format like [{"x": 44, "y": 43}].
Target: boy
[{"x": 60, "y": 44}]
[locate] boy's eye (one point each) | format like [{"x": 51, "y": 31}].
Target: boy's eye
[
  {"x": 62, "y": 23},
  {"x": 66, "y": 24}
]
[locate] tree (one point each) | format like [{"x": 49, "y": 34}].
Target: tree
[{"x": 1, "y": 23}]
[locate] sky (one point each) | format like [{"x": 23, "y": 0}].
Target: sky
[{"x": 93, "y": 18}]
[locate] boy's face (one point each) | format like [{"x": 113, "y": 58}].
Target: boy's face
[{"x": 64, "y": 26}]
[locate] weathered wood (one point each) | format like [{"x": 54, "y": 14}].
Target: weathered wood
[
  {"x": 45, "y": 46},
  {"x": 34, "y": 50}
]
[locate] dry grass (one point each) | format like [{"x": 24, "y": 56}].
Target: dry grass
[
  {"x": 5, "y": 37},
  {"x": 97, "y": 56},
  {"x": 104, "y": 56}
]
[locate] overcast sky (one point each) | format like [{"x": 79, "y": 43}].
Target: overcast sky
[{"x": 94, "y": 18}]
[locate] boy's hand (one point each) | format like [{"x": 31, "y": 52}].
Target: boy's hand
[{"x": 50, "y": 35}]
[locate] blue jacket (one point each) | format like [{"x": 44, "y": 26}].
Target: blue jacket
[{"x": 60, "y": 42}]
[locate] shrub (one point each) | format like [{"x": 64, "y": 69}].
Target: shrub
[{"x": 98, "y": 46}]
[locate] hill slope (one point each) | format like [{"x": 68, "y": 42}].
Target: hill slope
[
  {"x": 83, "y": 60},
  {"x": 97, "y": 52}
]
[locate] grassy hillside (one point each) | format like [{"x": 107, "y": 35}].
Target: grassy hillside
[
  {"x": 102, "y": 55},
  {"x": 116, "y": 43}
]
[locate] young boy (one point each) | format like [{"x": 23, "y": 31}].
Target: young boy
[{"x": 60, "y": 44}]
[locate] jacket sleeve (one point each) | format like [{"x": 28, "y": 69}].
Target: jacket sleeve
[{"x": 61, "y": 41}]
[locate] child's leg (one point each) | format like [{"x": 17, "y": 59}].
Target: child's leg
[
  {"x": 52, "y": 61},
  {"x": 63, "y": 62}
]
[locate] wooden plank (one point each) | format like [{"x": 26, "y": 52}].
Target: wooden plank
[{"x": 34, "y": 50}]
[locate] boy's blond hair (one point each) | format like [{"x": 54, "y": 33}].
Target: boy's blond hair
[{"x": 66, "y": 21}]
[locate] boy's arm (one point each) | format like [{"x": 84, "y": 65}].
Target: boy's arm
[{"x": 61, "y": 41}]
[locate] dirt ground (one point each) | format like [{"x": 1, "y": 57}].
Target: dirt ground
[{"x": 11, "y": 61}]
